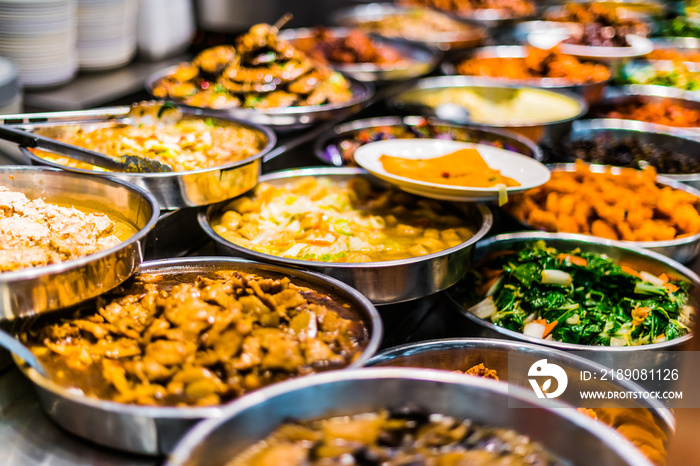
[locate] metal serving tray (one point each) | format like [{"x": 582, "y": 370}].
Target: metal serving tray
[
  {"x": 155, "y": 430},
  {"x": 382, "y": 282},
  {"x": 41, "y": 289},
  {"x": 172, "y": 189}
]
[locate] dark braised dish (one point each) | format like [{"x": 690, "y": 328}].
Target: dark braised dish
[
  {"x": 630, "y": 152},
  {"x": 599, "y": 24},
  {"x": 197, "y": 340},
  {"x": 398, "y": 437},
  {"x": 466, "y": 7},
  {"x": 355, "y": 47},
  {"x": 346, "y": 147}
]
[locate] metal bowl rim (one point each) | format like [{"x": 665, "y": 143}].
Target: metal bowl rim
[
  {"x": 361, "y": 93},
  {"x": 366, "y": 123},
  {"x": 197, "y": 434},
  {"x": 449, "y": 68},
  {"x": 207, "y": 212},
  {"x": 30, "y": 273},
  {"x": 635, "y": 127},
  {"x": 269, "y": 145},
  {"x": 373, "y": 321},
  {"x": 425, "y": 346},
  {"x": 463, "y": 82},
  {"x": 531, "y": 236},
  {"x": 649, "y": 90}
]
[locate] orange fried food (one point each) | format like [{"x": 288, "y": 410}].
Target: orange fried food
[
  {"x": 628, "y": 205},
  {"x": 465, "y": 167},
  {"x": 664, "y": 112},
  {"x": 534, "y": 65}
]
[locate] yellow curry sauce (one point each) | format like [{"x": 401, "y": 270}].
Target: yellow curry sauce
[{"x": 320, "y": 219}]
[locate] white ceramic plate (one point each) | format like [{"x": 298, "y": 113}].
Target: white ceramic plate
[
  {"x": 527, "y": 171},
  {"x": 639, "y": 46}
]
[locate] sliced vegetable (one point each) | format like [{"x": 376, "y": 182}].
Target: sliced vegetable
[{"x": 556, "y": 277}]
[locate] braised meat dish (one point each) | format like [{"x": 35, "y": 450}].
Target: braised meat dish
[
  {"x": 260, "y": 71},
  {"x": 34, "y": 233},
  {"x": 197, "y": 340},
  {"x": 401, "y": 436}
]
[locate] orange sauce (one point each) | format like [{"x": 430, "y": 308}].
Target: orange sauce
[{"x": 465, "y": 167}]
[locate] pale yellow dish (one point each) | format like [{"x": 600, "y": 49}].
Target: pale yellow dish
[{"x": 503, "y": 106}]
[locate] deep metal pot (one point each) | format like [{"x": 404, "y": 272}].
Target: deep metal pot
[{"x": 382, "y": 282}]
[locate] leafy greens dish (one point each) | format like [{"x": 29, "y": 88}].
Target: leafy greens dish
[{"x": 576, "y": 297}]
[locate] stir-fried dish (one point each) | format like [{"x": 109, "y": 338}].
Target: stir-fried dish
[
  {"x": 416, "y": 24},
  {"x": 468, "y": 7},
  {"x": 576, "y": 297},
  {"x": 598, "y": 24},
  {"x": 321, "y": 219},
  {"x": 628, "y": 151},
  {"x": 534, "y": 65},
  {"x": 260, "y": 71},
  {"x": 197, "y": 340},
  {"x": 183, "y": 142},
  {"x": 691, "y": 55},
  {"x": 671, "y": 74},
  {"x": 662, "y": 112},
  {"x": 354, "y": 47},
  {"x": 34, "y": 232},
  {"x": 464, "y": 167},
  {"x": 628, "y": 206},
  {"x": 402, "y": 436}
]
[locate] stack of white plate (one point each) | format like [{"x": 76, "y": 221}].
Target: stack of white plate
[
  {"x": 39, "y": 37},
  {"x": 106, "y": 33}
]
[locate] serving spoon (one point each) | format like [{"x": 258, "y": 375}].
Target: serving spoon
[
  {"x": 14, "y": 346},
  {"x": 125, "y": 163},
  {"x": 453, "y": 112}
]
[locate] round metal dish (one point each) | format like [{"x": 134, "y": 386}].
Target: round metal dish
[
  {"x": 218, "y": 441},
  {"x": 191, "y": 188},
  {"x": 623, "y": 95},
  {"x": 355, "y": 16},
  {"x": 153, "y": 430},
  {"x": 620, "y": 251},
  {"x": 676, "y": 140},
  {"x": 492, "y": 18},
  {"x": 545, "y": 133},
  {"x": 591, "y": 92},
  {"x": 419, "y": 60},
  {"x": 288, "y": 118},
  {"x": 683, "y": 250},
  {"x": 521, "y": 30},
  {"x": 382, "y": 282},
  {"x": 459, "y": 354},
  {"x": 327, "y": 149},
  {"x": 37, "y": 290}
]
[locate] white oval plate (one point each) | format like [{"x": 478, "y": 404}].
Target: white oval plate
[{"x": 527, "y": 171}]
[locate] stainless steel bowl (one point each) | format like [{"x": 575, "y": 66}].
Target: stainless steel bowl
[
  {"x": 327, "y": 148},
  {"x": 624, "y": 95},
  {"x": 357, "y": 15},
  {"x": 37, "y": 290},
  {"x": 287, "y": 118},
  {"x": 218, "y": 441},
  {"x": 540, "y": 133},
  {"x": 155, "y": 430},
  {"x": 632, "y": 256},
  {"x": 382, "y": 282},
  {"x": 419, "y": 60},
  {"x": 590, "y": 92},
  {"x": 675, "y": 140},
  {"x": 172, "y": 189},
  {"x": 683, "y": 250},
  {"x": 459, "y": 354}
]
